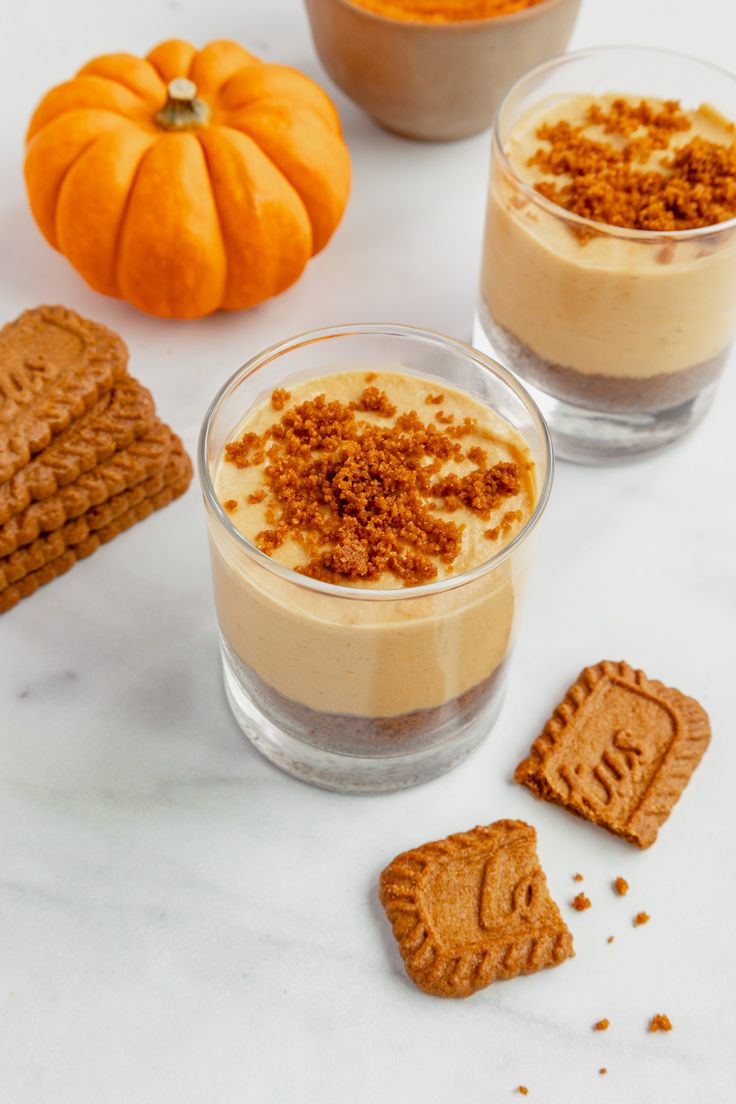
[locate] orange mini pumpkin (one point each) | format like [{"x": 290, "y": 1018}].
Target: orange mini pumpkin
[{"x": 189, "y": 180}]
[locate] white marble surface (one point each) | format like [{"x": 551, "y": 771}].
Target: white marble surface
[{"x": 181, "y": 922}]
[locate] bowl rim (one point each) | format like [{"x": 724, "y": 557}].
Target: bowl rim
[{"x": 454, "y": 26}]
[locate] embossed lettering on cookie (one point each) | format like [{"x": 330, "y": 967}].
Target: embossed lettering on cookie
[
  {"x": 473, "y": 909},
  {"x": 618, "y": 750}
]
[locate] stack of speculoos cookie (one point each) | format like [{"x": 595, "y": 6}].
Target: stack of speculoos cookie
[{"x": 83, "y": 456}]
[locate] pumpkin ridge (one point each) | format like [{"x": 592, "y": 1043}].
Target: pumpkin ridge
[
  {"x": 86, "y": 72},
  {"x": 62, "y": 178},
  {"x": 266, "y": 103},
  {"x": 35, "y": 128},
  {"x": 88, "y": 233},
  {"x": 120, "y": 84},
  {"x": 319, "y": 125},
  {"x": 272, "y": 163},
  {"x": 214, "y": 90},
  {"x": 215, "y": 204},
  {"x": 168, "y": 44},
  {"x": 225, "y": 147},
  {"x": 280, "y": 171},
  {"x": 293, "y": 95},
  {"x": 124, "y": 212}
]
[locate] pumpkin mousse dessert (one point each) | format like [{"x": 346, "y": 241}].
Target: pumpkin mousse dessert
[
  {"x": 609, "y": 272},
  {"x": 355, "y": 612}
]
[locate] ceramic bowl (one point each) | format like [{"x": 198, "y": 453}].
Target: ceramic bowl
[{"x": 435, "y": 81}]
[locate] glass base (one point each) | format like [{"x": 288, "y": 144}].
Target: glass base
[
  {"x": 332, "y": 770},
  {"x": 586, "y": 436}
]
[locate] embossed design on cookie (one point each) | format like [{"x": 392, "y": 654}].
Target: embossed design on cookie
[
  {"x": 91, "y": 533},
  {"x": 473, "y": 909},
  {"x": 125, "y": 469},
  {"x": 32, "y": 557},
  {"x": 113, "y": 422},
  {"x": 618, "y": 750},
  {"x": 54, "y": 366}
]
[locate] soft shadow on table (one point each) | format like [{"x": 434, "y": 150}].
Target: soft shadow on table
[
  {"x": 386, "y": 936},
  {"x": 33, "y": 272}
]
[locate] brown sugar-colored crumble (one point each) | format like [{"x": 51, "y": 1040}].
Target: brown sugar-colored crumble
[
  {"x": 695, "y": 187},
  {"x": 602, "y": 1070},
  {"x": 610, "y": 939},
  {"x": 577, "y": 877},
  {"x": 361, "y": 498},
  {"x": 465, "y": 427},
  {"x": 443, "y": 418},
  {"x": 621, "y": 886},
  {"x": 247, "y": 450},
  {"x": 480, "y": 491},
  {"x": 477, "y": 455},
  {"x": 601, "y": 1025},
  {"x": 376, "y": 401},
  {"x": 660, "y": 1022},
  {"x": 581, "y": 902},
  {"x": 624, "y": 118},
  {"x": 522, "y": 1090},
  {"x": 269, "y": 540},
  {"x": 434, "y": 400},
  {"x": 279, "y": 398},
  {"x": 257, "y": 496},
  {"x": 370, "y": 377},
  {"x": 641, "y": 918},
  {"x": 508, "y": 520},
  {"x": 231, "y": 505}
]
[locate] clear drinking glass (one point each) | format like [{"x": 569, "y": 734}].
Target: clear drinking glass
[
  {"x": 620, "y": 334},
  {"x": 361, "y": 689}
]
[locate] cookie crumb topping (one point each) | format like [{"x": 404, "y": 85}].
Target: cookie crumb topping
[
  {"x": 608, "y": 181},
  {"x": 363, "y": 498}
]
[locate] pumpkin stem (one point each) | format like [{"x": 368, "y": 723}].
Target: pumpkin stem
[{"x": 182, "y": 110}]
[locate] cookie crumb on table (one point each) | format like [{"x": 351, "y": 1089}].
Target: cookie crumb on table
[
  {"x": 581, "y": 902},
  {"x": 621, "y": 886},
  {"x": 641, "y": 918},
  {"x": 577, "y": 877},
  {"x": 610, "y": 939},
  {"x": 601, "y": 1025},
  {"x": 660, "y": 1022},
  {"x": 522, "y": 1089},
  {"x": 603, "y": 1070}
]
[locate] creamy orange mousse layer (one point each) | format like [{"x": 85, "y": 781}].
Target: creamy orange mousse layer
[
  {"x": 606, "y": 302},
  {"x": 371, "y": 480}
]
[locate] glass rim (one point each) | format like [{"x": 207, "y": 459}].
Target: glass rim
[
  {"x": 588, "y": 224},
  {"x": 335, "y": 590},
  {"x": 458, "y": 25}
]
